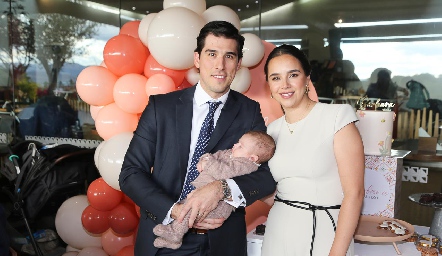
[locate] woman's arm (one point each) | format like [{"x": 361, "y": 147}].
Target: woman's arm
[{"x": 349, "y": 153}]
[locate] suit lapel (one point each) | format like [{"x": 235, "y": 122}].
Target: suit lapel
[
  {"x": 183, "y": 126},
  {"x": 228, "y": 114}
]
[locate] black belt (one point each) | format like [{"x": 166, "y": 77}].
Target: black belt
[
  {"x": 312, "y": 208},
  {"x": 198, "y": 231}
]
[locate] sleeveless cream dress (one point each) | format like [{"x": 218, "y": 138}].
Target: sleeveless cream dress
[{"x": 305, "y": 168}]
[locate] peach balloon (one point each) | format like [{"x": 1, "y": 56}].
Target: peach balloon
[
  {"x": 124, "y": 54},
  {"x": 198, "y": 6},
  {"x": 130, "y": 93},
  {"x": 159, "y": 84},
  {"x": 192, "y": 75},
  {"x": 95, "y": 85},
  {"x": 130, "y": 28},
  {"x": 112, "y": 243},
  {"x": 221, "y": 12},
  {"x": 112, "y": 120},
  {"x": 126, "y": 251},
  {"x": 92, "y": 251},
  {"x": 68, "y": 223},
  {"x": 95, "y": 109},
  {"x": 144, "y": 27},
  {"x": 242, "y": 80},
  {"x": 171, "y": 37},
  {"x": 253, "y": 50},
  {"x": 152, "y": 67}
]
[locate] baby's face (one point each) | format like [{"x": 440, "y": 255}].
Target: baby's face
[{"x": 244, "y": 147}]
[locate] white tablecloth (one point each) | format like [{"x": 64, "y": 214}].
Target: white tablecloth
[{"x": 254, "y": 243}]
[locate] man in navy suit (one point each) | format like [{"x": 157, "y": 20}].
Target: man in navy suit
[{"x": 158, "y": 158}]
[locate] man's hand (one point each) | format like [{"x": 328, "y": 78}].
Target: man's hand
[
  {"x": 201, "y": 201},
  {"x": 209, "y": 223}
]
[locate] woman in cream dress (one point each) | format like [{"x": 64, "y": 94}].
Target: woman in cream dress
[{"x": 318, "y": 165}]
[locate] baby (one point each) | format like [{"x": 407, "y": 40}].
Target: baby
[{"x": 252, "y": 149}]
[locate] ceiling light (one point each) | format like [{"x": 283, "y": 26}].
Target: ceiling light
[
  {"x": 275, "y": 27},
  {"x": 386, "y": 23},
  {"x": 391, "y": 37}
]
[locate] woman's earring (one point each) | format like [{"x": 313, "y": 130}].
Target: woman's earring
[
  {"x": 307, "y": 89},
  {"x": 271, "y": 95}
]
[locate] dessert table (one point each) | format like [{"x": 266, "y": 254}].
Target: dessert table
[{"x": 254, "y": 243}]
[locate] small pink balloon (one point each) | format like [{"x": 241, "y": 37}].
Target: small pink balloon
[
  {"x": 159, "y": 84},
  {"x": 95, "y": 85},
  {"x": 94, "y": 111},
  {"x": 130, "y": 93},
  {"x": 112, "y": 243},
  {"x": 112, "y": 120},
  {"x": 130, "y": 28}
]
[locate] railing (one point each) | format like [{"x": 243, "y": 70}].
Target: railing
[{"x": 408, "y": 124}]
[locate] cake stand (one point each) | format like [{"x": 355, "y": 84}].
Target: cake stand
[{"x": 436, "y": 224}]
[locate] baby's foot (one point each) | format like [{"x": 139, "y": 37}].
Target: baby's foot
[
  {"x": 163, "y": 243},
  {"x": 166, "y": 232}
]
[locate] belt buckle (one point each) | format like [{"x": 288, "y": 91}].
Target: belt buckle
[{"x": 198, "y": 231}]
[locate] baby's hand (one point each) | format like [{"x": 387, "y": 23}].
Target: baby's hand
[{"x": 199, "y": 166}]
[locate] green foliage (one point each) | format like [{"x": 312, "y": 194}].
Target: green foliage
[{"x": 26, "y": 90}]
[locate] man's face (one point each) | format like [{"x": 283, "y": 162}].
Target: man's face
[{"x": 218, "y": 64}]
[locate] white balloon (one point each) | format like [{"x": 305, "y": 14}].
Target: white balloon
[
  {"x": 97, "y": 153},
  {"x": 69, "y": 226},
  {"x": 242, "y": 80},
  {"x": 221, "y": 12},
  {"x": 144, "y": 27},
  {"x": 72, "y": 249},
  {"x": 111, "y": 158},
  {"x": 253, "y": 50},
  {"x": 92, "y": 251},
  {"x": 172, "y": 37},
  {"x": 70, "y": 254},
  {"x": 192, "y": 76},
  {"x": 198, "y": 6}
]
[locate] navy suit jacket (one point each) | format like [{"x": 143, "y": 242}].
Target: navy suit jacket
[{"x": 155, "y": 165}]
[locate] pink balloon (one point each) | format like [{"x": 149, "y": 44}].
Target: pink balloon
[
  {"x": 95, "y": 85},
  {"x": 94, "y": 111},
  {"x": 112, "y": 120},
  {"x": 126, "y": 251},
  {"x": 159, "y": 84},
  {"x": 112, "y": 243},
  {"x": 130, "y": 93},
  {"x": 152, "y": 67},
  {"x": 124, "y": 54},
  {"x": 130, "y": 28}
]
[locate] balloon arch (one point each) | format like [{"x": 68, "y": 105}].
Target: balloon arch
[{"x": 147, "y": 57}]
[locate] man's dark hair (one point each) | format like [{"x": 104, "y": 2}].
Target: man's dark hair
[{"x": 220, "y": 29}]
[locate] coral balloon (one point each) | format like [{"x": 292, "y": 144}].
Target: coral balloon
[
  {"x": 95, "y": 109},
  {"x": 192, "y": 76},
  {"x": 198, "y": 6},
  {"x": 95, "y": 221},
  {"x": 184, "y": 85},
  {"x": 253, "y": 50},
  {"x": 221, "y": 12},
  {"x": 171, "y": 37},
  {"x": 126, "y": 251},
  {"x": 95, "y": 85},
  {"x": 103, "y": 197},
  {"x": 112, "y": 120},
  {"x": 112, "y": 243},
  {"x": 123, "y": 219},
  {"x": 68, "y": 223},
  {"x": 125, "y": 54},
  {"x": 130, "y": 93},
  {"x": 92, "y": 251},
  {"x": 144, "y": 27},
  {"x": 111, "y": 158},
  {"x": 242, "y": 80},
  {"x": 130, "y": 28},
  {"x": 159, "y": 84},
  {"x": 152, "y": 67}
]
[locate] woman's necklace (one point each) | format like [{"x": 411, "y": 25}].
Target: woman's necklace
[{"x": 305, "y": 113}]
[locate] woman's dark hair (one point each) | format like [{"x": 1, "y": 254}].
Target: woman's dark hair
[
  {"x": 290, "y": 50},
  {"x": 220, "y": 29}
]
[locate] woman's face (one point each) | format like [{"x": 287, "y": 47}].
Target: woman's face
[{"x": 287, "y": 80}]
